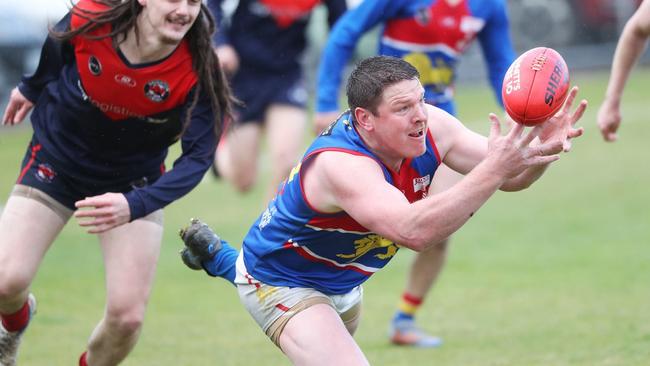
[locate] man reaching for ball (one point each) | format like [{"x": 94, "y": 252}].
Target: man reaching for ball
[{"x": 359, "y": 194}]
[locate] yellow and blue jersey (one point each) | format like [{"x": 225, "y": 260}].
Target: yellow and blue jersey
[{"x": 293, "y": 244}]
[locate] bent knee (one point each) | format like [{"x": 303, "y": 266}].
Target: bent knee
[
  {"x": 439, "y": 248},
  {"x": 244, "y": 183},
  {"x": 125, "y": 321},
  {"x": 12, "y": 284}
]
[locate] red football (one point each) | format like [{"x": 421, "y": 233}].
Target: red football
[{"x": 535, "y": 86}]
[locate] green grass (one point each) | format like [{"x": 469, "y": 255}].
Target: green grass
[{"x": 556, "y": 275}]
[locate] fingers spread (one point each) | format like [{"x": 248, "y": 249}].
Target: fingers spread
[
  {"x": 543, "y": 160},
  {"x": 516, "y": 131},
  {"x": 579, "y": 112},
  {"x": 570, "y": 98},
  {"x": 528, "y": 138},
  {"x": 495, "y": 128},
  {"x": 548, "y": 148}
]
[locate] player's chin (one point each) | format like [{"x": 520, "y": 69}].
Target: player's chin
[
  {"x": 415, "y": 149},
  {"x": 173, "y": 36},
  {"x": 171, "y": 40}
]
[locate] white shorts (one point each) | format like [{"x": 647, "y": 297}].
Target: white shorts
[{"x": 272, "y": 307}]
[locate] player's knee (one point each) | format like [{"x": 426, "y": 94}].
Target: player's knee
[
  {"x": 442, "y": 246},
  {"x": 244, "y": 182},
  {"x": 124, "y": 321},
  {"x": 11, "y": 283},
  {"x": 439, "y": 248}
]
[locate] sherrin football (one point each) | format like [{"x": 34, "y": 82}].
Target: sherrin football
[{"x": 535, "y": 86}]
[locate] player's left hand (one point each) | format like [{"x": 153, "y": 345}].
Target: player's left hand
[
  {"x": 17, "y": 108},
  {"x": 562, "y": 125},
  {"x": 105, "y": 211}
]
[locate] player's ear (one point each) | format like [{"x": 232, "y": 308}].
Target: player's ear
[{"x": 363, "y": 118}]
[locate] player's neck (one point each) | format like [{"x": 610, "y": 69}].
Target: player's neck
[{"x": 392, "y": 161}]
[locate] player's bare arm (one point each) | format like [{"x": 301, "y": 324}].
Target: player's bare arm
[
  {"x": 460, "y": 148},
  {"x": 631, "y": 45},
  {"x": 463, "y": 149},
  {"x": 356, "y": 185}
]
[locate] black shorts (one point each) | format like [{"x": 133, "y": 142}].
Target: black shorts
[
  {"x": 260, "y": 89},
  {"x": 38, "y": 171}
]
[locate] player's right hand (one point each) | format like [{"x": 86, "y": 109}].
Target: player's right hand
[
  {"x": 324, "y": 119},
  {"x": 512, "y": 153},
  {"x": 104, "y": 212},
  {"x": 562, "y": 125},
  {"x": 17, "y": 108},
  {"x": 609, "y": 119}
]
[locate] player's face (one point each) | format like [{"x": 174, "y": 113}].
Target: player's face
[
  {"x": 169, "y": 20},
  {"x": 401, "y": 125}
]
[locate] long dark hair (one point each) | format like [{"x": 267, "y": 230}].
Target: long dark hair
[{"x": 123, "y": 16}]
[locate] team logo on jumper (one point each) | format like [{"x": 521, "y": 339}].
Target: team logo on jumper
[
  {"x": 421, "y": 183},
  {"x": 156, "y": 90},
  {"x": 423, "y": 15},
  {"x": 125, "y": 80},
  {"x": 369, "y": 243},
  {"x": 94, "y": 66},
  {"x": 45, "y": 173}
]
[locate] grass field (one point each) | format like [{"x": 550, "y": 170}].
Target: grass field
[{"x": 556, "y": 275}]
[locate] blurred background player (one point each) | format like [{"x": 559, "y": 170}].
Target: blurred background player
[
  {"x": 432, "y": 36},
  {"x": 630, "y": 47},
  {"x": 350, "y": 204},
  {"x": 260, "y": 46},
  {"x": 117, "y": 83}
]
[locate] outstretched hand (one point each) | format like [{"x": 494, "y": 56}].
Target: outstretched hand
[
  {"x": 105, "y": 211},
  {"x": 17, "y": 108},
  {"x": 513, "y": 152},
  {"x": 561, "y": 126}
]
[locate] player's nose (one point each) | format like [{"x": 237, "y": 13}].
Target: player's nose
[{"x": 420, "y": 113}]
